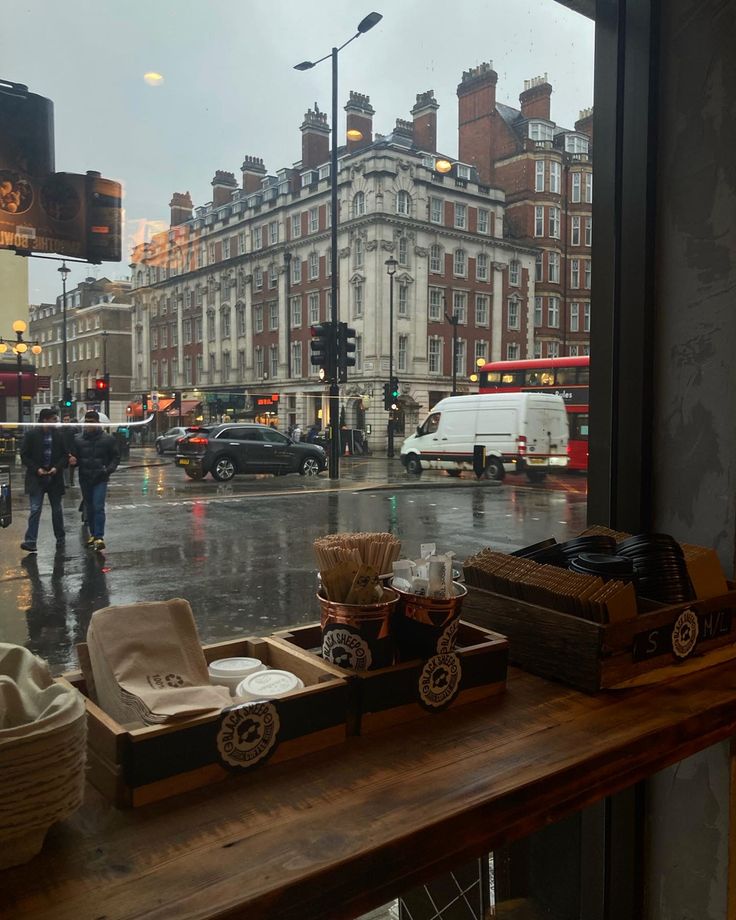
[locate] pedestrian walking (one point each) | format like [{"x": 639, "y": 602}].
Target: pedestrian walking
[
  {"x": 296, "y": 433},
  {"x": 44, "y": 456},
  {"x": 68, "y": 433},
  {"x": 96, "y": 454}
]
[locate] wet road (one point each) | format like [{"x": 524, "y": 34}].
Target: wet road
[{"x": 241, "y": 553}]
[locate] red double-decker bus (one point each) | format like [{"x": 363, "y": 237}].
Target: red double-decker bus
[{"x": 567, "y": 377}]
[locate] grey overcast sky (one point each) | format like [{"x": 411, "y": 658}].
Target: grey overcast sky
[{"x": 230, "y": 89}]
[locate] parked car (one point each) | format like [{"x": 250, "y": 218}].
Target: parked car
[
  {"x": 226, "y": 450},
  {"x": 167, "y": 441}
]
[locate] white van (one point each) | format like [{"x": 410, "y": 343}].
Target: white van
[{"x": 526, "y": 432}]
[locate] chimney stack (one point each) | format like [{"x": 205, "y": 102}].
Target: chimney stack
[
  {"x": 404, "y": 128},
  {"x": 476, "y": 119},
  {"x": 253, "y": 171},
  {"x": 360, "y": 114},
  {"x": 223, "y": 184},
  {"x": 425, "y": 121},
  {"x": 584, "y": 124},
  {"x": 536, "y": 98},
  {"x": 315, "y": 138},
  {"x": 181, "y": 208}
]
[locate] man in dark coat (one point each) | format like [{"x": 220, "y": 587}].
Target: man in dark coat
[
  {"x": 96, "y": 456},
  {"x": 44, "y": 456}
]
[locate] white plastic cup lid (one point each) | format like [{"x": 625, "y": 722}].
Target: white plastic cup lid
[
  {"x": 235, "y": 667},
  {"x": 269, "y": 685}
]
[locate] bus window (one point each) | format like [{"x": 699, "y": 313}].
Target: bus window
[
  {"x": 578, "y": 426},
  {"x": 566, "y": 376},
  {"x": 512, "y": 379},
  {"x": 547, "y": 378},
  {"x": 533, "y": 378},
  {"x": 493, "y": 377},
  {"x": 583, "y": 375}
]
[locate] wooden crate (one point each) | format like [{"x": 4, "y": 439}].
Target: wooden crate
[
  {"x": 406, "y": 691},
  {"x": 660, "y": 642},
  {"x": 135, "y": 766}
]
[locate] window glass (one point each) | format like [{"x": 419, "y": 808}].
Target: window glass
[
  {"x": 432, "y": 423},
  {"x": 273, "y": 437}
]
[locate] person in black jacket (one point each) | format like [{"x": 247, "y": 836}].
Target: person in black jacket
[
  {"x": 44, "y": 456},
  {"x": 96, "y": 456}
]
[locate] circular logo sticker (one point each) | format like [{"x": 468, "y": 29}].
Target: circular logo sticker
[
  {"x": 345, "y": 647},
  {"x": 446, "y": 642},
  {"x": 685, "y": 633},
  {"x": 248, "y": 734},
  {"x": 439, "y": 681}
]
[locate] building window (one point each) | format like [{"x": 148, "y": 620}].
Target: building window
[
  {"x": 273, "y": 315},
  {"x": 313, "y": 266},
  {"x": 198, "y": 296},
  {"x": 154, "y": 343},
  {"x": 553, "y": 349},
  {"x": 174, "y": 339},
  {"x": 436, "y": 301},
  {"x": 435, "y": 356},
  {"x": 226, "y": 366},
  {"x": 154, "y": 373},
  {"x": 403, "y": 251},
  {"x": 328, "y": 262},
  {"x": 257, "y": 279},
  {"x": 313, "y": 301},
  {"x": 241, "y": 364},
  {"x": 313, "y": 220},
  {"x": 586, "y": 276},
  {"x": 538, "y": 221},
  {"x": 198, "y": 328},
  {"x": 553, "y": 313},
  {"x": 435, "y": 210},
  {"x": 226, "y": 249},
  {"x": 460, "y": 306},
  {"x": 589, "y": 187},
  {"x": 358, "y": 253},
  {"x": 188, "y": 369},
  {"x": 574, "y": 231},
  {"x": 573, "y": 351},
  {"x": 241, "y": 243},
  {"x": 210, "y": 327},
  {"x": 538, "y": 305},
  {"x": 461, "y": 352},
  {"x": 403, "y": 203},
  {"x": 403, "y": 300},
  {"x": 358, "y": 352},
  {"x": 357, "y": 300},
  {"x": 257, "y": 237},
  {"x": 555, "y": 172},
  {"x": 588, "y": 231},
  {"x": 554, "y": 267},
  {"x": 402, "y": 353},
  {"x": 296, "y": 359},
  {"x": 296, "y": 270},
  {"x": 586, "y": 318},
  {"x": 539, "y": 131},
  {"x": 481, "y": 267},
  {"x": 258, "y": 318},
  {"x": 258, "y": 356},
  {"x": 574, "y": 143},
  {"x": 461, "y": 216},
  {"x": 539, "y": 267},
  {"x": 481, "y": 309},
  {"x": 225, "y": 325},
  {"x": 576, "y": 187},
  {"x": 539, "y": 176},
  {"x": 554, "y": 223},
  {"x": 296, "y": 312},
  {"x": 273, "y": 232},
  {"x": 273, "y": 277},
  {"x": 513, "y": 320},
  {"x": 459, "y": 263},
  {"x": 296, "y": 225},
  {"x": 574, "y": 317},
  {"x": 274, "y": 355},
  {"x": 512, "y": 351},
  {"x": 514, "y": 273},
  {"x": 435, "y": 258},
  {"x": 483, "y": 220},
  {"x": 200, "y": 371},
  {"x": 481, "y": 351},
  {"x": 240, "y": 314},
  {"x": 575, "y": 273},
  {"x": 358, "y": 204}
]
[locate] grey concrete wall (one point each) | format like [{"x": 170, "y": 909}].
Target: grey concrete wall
[{"x": 695, "y": 405}]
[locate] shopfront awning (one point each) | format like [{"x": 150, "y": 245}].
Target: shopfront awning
[{"x": 187, "y": 406}]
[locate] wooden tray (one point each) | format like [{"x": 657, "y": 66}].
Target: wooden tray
[
  {"x": 653, "y": 646},
  {"x": 413, "y": 689},
  {"x": 135, "y": 766}
]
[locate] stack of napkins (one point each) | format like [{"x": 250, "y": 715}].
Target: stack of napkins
[
  {"x": 148, "y": 665},
  {"x": 43, "y": 737}
]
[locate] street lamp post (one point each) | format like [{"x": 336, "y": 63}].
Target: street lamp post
[
  {"x": 391, "y": 265},
  {"x": 105, "y": 374},
  {"x": 19, "y": 347},
  {"x": 64, "y": 271},
  {"x": 453, "y": 321},
  {"x": 364, "y": 26}
]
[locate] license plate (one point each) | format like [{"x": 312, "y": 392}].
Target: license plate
[
  {"x": 183, "y": 462},
  {"x": 537, "y": 461}
]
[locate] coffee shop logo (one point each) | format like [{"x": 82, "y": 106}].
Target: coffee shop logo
[
  {"x": 439, "y": 681},
  {"x": 446, "y": 642},
  {"x": 685, "y": 633},
  {"x": 345, "y": 647},
  {"x": 247, "y": 734}
]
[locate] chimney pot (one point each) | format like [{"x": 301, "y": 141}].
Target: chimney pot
[
  {"x": 253, "y": 170},
  {"x": 315, "y": 138},
  {"x": 425, "y": 121},
  {"x": 360, "y": 114},
  {"x": 535, "y": 99},
  {"x": 181, "y": 208},
  {"x": 476, "y": 119}
]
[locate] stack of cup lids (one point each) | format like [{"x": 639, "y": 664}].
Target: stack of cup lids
[
  {"x": 43, "y": 737},
  {"x": 229, "y": 672},
  {"x": 268, "y": 685}
]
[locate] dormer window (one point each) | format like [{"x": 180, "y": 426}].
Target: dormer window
[
  {"x": 576, "y": 143},
  {"x": 540, "y": 131}
]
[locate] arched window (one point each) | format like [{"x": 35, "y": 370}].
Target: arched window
[
  {"x": 358, "y": 204},
  {"x": 403, "y": 203}
]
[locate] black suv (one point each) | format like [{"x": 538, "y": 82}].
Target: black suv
[{"x": 225, "y": 450}]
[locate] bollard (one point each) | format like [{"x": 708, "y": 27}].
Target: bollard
[{"x": 6, "y": 504}]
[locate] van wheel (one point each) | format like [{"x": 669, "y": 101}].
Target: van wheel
[
  {"x": 536, "y": 475},
  {"x": 414, "y": 465},
  {"x": 495, "y": 470}
]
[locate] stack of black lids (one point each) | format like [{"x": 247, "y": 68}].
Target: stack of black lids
[
  {"x": 595, "y": 544},
  {"x": 660, "y": 567},
  {"x": 604, "y": 566},
  {"x": 546, "y": 552}
]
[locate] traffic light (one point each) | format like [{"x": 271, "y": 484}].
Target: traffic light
[
  {"x": 67, "y": 402},
  {"x": 102, "y": 386},
  {"x": 345, "y": 351},
  {"x": 144, "y": 405},
  {"x": 322, "y": 348},
  {"x": 387, "y": 401},
  {"x": 394, "y": 393}
]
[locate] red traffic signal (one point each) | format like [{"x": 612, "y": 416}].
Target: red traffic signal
[{"x": 101, "y": 385}]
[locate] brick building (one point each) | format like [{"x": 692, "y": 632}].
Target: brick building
[
  {"x": 98, "y": 320},
  {"x": 224, "y": 299}
]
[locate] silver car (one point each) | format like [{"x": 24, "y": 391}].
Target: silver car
[{"x": 167, "y": 441}]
